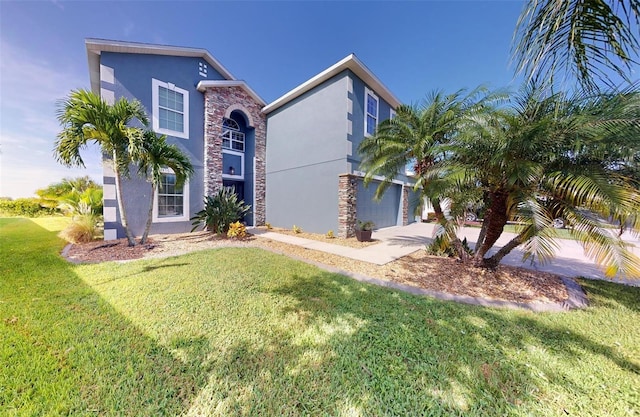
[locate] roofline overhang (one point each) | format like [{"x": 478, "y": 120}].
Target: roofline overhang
[
  {"x": 96, "y": 46},
  {"x": 350, "y": 62},
  {"x": 203, "y": 85}
]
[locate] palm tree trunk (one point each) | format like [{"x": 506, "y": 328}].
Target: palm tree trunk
[
  {"x": 437, "y": 209},
  {"x": 147, "y": 227},
  {"x": 442, "y": 220},
  {"x": 493, "y": 261},
  {"x": 496, "y": 218},
  {"x": 123, "y": 216},
  {"x": 481, "y": 236}
]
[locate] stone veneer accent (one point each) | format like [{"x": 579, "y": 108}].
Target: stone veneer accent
[
  {"x": 347, "y": 199},
  {"x": 405, "y": 205},
  {"x": 217, "y": 102}
]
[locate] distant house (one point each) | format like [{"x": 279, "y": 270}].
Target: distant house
[{"x": 294, "y": 160}]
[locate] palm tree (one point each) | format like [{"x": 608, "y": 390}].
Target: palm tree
[
  {"x": 85, "y": 117},
  {"x": 158, "y": 154},
  {"x": 414, "y": 136},
  {"x": 583, "y": 37},
  {"x": 550, "y": 156}
]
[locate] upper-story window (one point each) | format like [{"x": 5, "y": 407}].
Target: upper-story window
[
  {"x": 170, "y": 109},
  {"x": 370, "y": 112},
  {"x": 232, "y": 137},
  {"x": 392, "y": 114}
]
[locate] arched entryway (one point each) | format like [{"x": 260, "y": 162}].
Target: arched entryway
[{"x": 238, "y": 158}]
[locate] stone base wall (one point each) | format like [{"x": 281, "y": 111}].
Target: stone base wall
[
  {"x": 347, "y": 199},
  {"x": 219, "y": 102}
]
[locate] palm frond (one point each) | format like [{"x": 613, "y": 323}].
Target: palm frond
[{"x": 583, "y": 38}]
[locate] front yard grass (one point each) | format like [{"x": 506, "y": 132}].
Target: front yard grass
[{"x": 242, "y": 331}]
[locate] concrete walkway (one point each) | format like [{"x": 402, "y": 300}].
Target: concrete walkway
[
  {"x": 393, "y": 244},
  {"x": 399, "y": 241}
]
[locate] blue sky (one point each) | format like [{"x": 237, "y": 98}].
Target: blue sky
[{"x": 413, "y": 47}]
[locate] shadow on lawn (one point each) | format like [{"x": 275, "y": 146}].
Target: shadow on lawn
[
  {"x": 331, "y": 346},
  {"x": 612, "y": 295},
  {"x": 406, "y": 355},
  {"x": 89, "y": 359}
]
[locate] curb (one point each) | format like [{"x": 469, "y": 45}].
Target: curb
[{"x": 65, "y": 254}]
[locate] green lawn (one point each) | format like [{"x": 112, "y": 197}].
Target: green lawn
[
  {"x": 514, "y": 228},
  {"x": 246, "y": 332}
]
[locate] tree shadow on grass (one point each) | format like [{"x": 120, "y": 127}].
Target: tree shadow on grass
[
  {"x": 412, "y": 355},
  {"x": 317, "y": 344},
  {"x": 612, "y": 295},
  {"x": 69, "y": 351}
]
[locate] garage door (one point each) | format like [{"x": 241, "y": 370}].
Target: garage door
[{"x": 383, "y": 213}]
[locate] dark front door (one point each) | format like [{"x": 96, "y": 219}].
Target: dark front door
[{"x": 238, "y": 187}]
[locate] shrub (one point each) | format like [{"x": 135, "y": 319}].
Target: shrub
[
  {"x": 330, "y": 235},
  {"x": 81, "y": 230},
  {"x": 237, "y": 230},
  {"x": 268, "y": 226},
  {"x": 296, "y": 229},
  {"x": 365, "y": 225},
  {"x": 220, "y": 210},
  {"x": 442, "y": 247},
  {"x": 27, "y": 207}
]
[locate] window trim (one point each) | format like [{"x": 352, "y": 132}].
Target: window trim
[
  {"x": 367, "y": 93},
  {"x": 155, "y": 113},
  {"x": 233, "y": 130},
  {"x": 185, "y": 203},
  {"x": 392, "y": 113}
]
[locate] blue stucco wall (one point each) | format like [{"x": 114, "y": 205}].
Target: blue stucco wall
[
  {"x": 306, "y": 151},
  {"x": 133, "y": 74}
]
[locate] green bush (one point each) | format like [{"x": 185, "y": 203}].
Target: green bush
[
  {"x": 443, "y": 247},
  {"x": 220, "y": 210},
  {"x": 27, "y": 207}
]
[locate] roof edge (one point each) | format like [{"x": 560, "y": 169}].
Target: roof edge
[
  {"x": 202, "y": 86},
  {"x": 96, "y": 46},
  {"x": 349, "y": 62}
]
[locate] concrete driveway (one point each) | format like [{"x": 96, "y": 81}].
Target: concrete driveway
[{"x": 570, "y": 260}]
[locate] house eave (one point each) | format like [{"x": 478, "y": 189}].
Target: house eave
[
  {"x": 350, "y": 62},
  {"x": 203, "y": 85},
  {"x": 96, "y": 46}
]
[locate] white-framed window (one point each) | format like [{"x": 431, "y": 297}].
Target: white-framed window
[
  {"x": 172, "y": 201},
  {"x": 232, "y": 137},
  {"x": 392, "y": 114},
  {"x": 370, "y": 112},
  {"x": 170, "y": 111},
  {"x": 233, "y": 168}
]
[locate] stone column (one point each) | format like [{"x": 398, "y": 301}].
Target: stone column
[
  {"x": 405, "y": 205},
  {"x": 213, "y": 115},
  {"x": 259, "y": 199},
  {"x": 347, "y": 198}
]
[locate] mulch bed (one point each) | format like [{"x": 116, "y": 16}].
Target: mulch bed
[{"x": 417, "y": 269}]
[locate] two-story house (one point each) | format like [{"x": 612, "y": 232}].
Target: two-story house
[
  {"x": 193, "y": 100},
  {"x": 313, "y": 132},
  {"x": 294, "y": 160}
]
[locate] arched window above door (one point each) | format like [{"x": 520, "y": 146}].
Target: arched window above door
[{"x": 232, "y": 137}]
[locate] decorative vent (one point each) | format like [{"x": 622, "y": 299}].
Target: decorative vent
[{"x": 202, "y": 69}]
